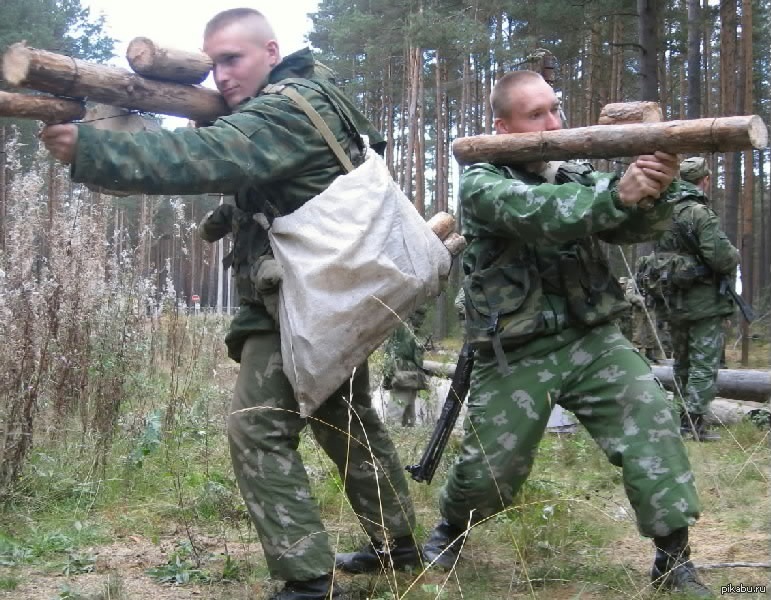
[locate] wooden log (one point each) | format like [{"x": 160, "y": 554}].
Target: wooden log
[
  {"x": 724, "y": 134},
  {"x": 455, "y": 243},
  {"x": 730, "y": 412},
  {"x": 630, "y": 112},
  {"x": 740, "y": 384},
  {"x": 43, "y": 108},
  {"x": 168, "y": 64},
  {"x": 442, "y": 224},
  {"x": 737, "y": 384},
  {"x": 66, "y": 76}
]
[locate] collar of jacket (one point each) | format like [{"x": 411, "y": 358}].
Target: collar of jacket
[
  {"x": 298, "y": 64},
  {"x": 688, "y": 191}
]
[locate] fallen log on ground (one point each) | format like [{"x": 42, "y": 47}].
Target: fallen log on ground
[
  {"x": 737, "y": 384},
  {"x": 724, "y": 134},
  {"x": 729, "y": 412},
  {"x": 65, "y": 76}
]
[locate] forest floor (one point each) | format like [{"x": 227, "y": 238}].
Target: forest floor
[{"x": 171, "y": 525}]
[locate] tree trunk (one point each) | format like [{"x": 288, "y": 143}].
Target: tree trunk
[
  {"x": 728, "y": 106},
  {"x": 649, "y": 48},
  {"x": 694, "y": 59},
  {"x": 748, "y": 196}
]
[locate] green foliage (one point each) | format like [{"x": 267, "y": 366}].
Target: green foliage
[
  {"x": 180, "y": 569},
  {"x": 149, "y": 441}
]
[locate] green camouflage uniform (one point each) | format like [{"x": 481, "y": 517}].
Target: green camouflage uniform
[
  {"x": 404, "y": 375},
  {"x": 697, "y": 312},
  {"x": 270, "y": 156},
  {"x": 540, "y": 301}
]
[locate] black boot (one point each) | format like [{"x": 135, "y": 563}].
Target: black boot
[
  {"x": 444, "y": 545},
  {"x": 403, "y": 553},
  {"x": 672, "y": 568},
  {"x": 693, "y": 425},
  {"x": 313, "y": 589}
]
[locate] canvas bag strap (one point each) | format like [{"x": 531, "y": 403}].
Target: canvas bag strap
[{"x": 316, "y": 119}]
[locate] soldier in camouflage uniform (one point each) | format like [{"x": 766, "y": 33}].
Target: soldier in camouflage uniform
[
  {"x": 698, "y": 308},
  {"x": 540, "y": 301},
  {"x": 404, "y": 375},
  {"x": 273, "y": 159}
]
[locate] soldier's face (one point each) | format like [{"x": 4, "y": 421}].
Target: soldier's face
[
  {"x": 533, "y": 107},
  {"x": 242, "y": 62}
]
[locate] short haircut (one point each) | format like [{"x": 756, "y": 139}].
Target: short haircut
[
  {"x": 235, "y": 15},
  {"x": 499, "y": 98}
]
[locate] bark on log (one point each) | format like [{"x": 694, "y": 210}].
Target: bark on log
[
  {"x": 442, "y": 224},
  {"x": 167, "y": 64},
  {"x": 630, "y": 112},
  {"x": 738, "y": 384},
  {"x": 66, "y": 76},
  {"x": 724, "y": 134},
  {"x": 730, "y": 412},
  {"x": 43, "y": 108}
]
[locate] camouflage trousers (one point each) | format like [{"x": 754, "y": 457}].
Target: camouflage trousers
[
  {"x": 611, "y": 390},
  {"x": 697, "y": 347},
  {"x": 400, "y": 407},
  {"x": 264, "y": 432}
]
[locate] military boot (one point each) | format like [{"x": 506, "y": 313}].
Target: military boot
[
  {"x": 320, "y": 588},
  {"x": 403, "y": 553},
  {"x": 672, "y": 567},
  {"x": 693, "y": 425},
  {"x": 444, "y": 544}
]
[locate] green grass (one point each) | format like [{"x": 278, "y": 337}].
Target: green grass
[{"x": 570, "y": 532}]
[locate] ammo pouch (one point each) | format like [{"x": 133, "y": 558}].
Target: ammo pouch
[
  {"x": 408, "y": 380},
  {"x": 503, "y": 303},
  {"x": 593, "y": 295}
]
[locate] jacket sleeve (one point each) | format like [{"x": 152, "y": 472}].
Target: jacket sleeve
[
  {"x": 645, "y": 224},
  {"x": 716, "y": 249},
  {"x": 496, "y": 205},
  {"x": 269, "y": 140}
]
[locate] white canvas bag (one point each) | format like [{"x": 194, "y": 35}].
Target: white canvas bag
[{"x": 356, "y": 259}]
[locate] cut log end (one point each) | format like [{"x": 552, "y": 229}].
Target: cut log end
[
  {"x": 455, "y": 243},
  {"x": 16, "y": 63},
  {"x": 758, "y": 133},
  {"x": 442, "y": 224},
  {"x": 140, "y": 53}
]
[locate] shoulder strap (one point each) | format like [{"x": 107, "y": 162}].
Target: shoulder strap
[{"x": 317, "y": 120}]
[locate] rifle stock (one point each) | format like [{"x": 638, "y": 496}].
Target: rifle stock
[{"x": 461, "y": 380}]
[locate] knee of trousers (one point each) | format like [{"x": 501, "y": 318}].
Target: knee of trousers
[{"x": 474, "y": 499}]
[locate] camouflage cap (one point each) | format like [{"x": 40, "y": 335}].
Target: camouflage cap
[{"x": 693, "y": 169}]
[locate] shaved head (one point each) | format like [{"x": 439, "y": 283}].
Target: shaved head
[
  {"x": 253, "y": 22},
  {"x": 500, "y": 96}
]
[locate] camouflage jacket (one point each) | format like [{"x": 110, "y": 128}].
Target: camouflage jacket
[
  {"x": 403, "y": 353},
  {"x": 695, "y": 233},
  {"x": 534, "y": 267},
  {"x": 267, "y": 153}
]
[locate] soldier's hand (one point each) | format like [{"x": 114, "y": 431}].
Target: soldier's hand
[
  {"x": 647, "y": 177},
  {"x": 60, "y": 141}
]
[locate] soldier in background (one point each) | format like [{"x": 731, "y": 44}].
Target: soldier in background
[
  {"x": 404, "y": 375},
  {"x": 697, "y": 312}
]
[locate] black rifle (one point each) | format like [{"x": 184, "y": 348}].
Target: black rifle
[
  {"x": 461, "y": 379},
  {"x": 725, "y": 283}
]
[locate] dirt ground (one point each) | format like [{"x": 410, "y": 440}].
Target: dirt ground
[{"x": 713, "y": 543}]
